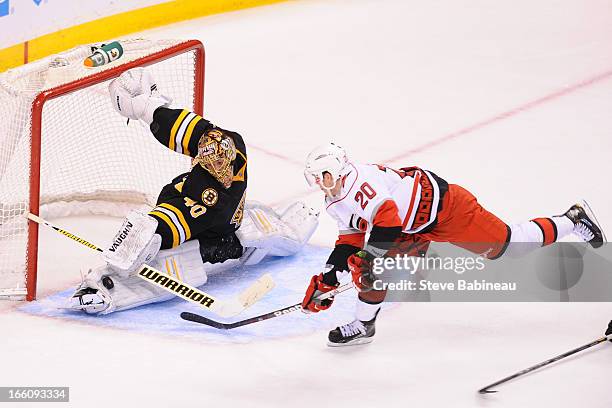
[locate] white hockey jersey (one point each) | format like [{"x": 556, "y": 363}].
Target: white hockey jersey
[{"x": 417, "y": 194}]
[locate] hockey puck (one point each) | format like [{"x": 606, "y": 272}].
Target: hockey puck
[{"x": 108, "y": 282}]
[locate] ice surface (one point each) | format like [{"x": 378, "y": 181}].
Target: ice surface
[
  {"x": 512, "y": 100},
  {"x": 290, "y": 275}
]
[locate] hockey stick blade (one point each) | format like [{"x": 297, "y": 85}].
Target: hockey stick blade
[
  {"x": 488, "y": 390},
  {"x": 247, "y": 298},
  {"x": 192, "y": 317},
  {"x": 256, "y": 291},
  {"x": 196, "y": 318}
]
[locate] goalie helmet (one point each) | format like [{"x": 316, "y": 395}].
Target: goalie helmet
[
  {"x": 216, "y": 154},
  {"x": 329, "y": 158}
]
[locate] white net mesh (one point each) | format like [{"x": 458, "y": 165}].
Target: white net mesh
[{"x": 91, "y": 160}]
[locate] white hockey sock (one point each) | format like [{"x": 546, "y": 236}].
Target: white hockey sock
[
  {"x": 565, "y": 226},
  {"x": 531, "y": 235},
  {"x": 366, "y": 311}
]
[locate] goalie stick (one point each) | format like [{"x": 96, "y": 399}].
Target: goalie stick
[
  {"x": 181, "y": 289},
  {"x": 488, "y": 390},
  {"x": 196, "y": 318}
]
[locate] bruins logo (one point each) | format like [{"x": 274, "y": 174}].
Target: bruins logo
[{"x": 210, "y": 197}]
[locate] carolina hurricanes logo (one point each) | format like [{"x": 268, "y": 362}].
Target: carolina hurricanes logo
[
  {"x": 362, "y": 225},
  {"x": 358, "y": 223}
]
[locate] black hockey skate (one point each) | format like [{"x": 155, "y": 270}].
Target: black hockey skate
[
  {"x": 354, "y": 333},
  {"x": 585, "y": 224}
]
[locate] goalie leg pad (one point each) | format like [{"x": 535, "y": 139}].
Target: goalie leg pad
[
  {"x": 184, "y": 262},
  {"x": 302, "y": 220},
  {"x": 265, "y": 232},
  {"x": 120, "y": 293},
  {"x": 134, "y": 244}
]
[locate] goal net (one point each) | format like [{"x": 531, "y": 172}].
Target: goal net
[{"x": 65, "y": 151}]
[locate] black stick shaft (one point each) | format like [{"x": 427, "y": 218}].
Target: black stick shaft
[
  {"x": 487, "y": 389},
  {"x": 226, "y": 326},
  {"x": 192, "y": 317}
]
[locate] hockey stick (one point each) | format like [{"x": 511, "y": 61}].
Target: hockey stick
[
  {"x": 488, "y": 390},
  {"x": 181, "y": 289},
  {"x": 196, "y": 318}
]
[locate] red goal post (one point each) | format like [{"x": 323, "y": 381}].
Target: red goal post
[{"x": 83, "y": 157}]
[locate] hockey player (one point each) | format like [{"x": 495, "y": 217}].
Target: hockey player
[
  {"x": 406, "y": 209},
  {"x": 200, "y": 223}
]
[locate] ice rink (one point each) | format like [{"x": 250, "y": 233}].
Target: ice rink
[{"x": 512, "y": 100}]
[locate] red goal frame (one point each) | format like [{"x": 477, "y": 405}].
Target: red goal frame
[{"x": 35, "y": 149}]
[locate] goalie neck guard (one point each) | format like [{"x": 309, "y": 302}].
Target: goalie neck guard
[{"x": 216, "y": 154}]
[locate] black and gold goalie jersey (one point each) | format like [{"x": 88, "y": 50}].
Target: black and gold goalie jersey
[{"x": 196, "y": 205}]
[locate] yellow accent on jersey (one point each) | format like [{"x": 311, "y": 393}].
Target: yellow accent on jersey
[
  {"x": 179, "y": 186},
  {"x": 239, "y": 176},
  {"x": 239, "y": 213},
  {"x": 167, "y": 220},
  {"x": 180, "y": 217},
  {"x": 187, "y": 137},
  {"x": 175, "y": 127}
]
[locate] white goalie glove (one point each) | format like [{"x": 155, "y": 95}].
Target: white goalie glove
[{"x": 134, "y": 95}]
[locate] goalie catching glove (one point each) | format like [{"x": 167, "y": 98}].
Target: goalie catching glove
[{"x": 135, "y": 96}]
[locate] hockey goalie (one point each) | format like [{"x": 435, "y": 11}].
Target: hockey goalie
[{"x": 201, "y": 223}]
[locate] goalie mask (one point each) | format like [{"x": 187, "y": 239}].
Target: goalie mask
[{"x": 216, "y": 154}]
